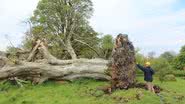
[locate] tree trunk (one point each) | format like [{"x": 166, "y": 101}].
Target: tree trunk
[
  {"x": 33, "y": 52},
  {"x": 3, "y": 61},
  {"x": 70, "y": 49},
  {"x": 53, "y": 68},
  {"x": 42, "y": 71}
]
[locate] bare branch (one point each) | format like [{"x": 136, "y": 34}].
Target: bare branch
[
  {"x": 87, "y": 45},
  {"x": 32, "y": 54}
]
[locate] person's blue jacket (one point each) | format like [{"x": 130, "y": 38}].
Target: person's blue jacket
[{"x": 148, "y": 73}]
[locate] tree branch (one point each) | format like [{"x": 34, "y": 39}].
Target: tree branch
[
  {"x": 32, "y": 54},
  {"x": 87, "y": 45}
]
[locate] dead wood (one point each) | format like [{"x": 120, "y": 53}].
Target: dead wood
[
  {"x": 53, "y": 68},
  {"x": 122, "y": 65}
]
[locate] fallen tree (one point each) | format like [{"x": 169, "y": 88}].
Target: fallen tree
[
  {"x": 120, "y": 70},
  {"x": 122, "y": 66},
  {"x": 53, "y": 68}
]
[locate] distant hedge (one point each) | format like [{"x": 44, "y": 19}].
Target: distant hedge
[{"x": 179, "y": 73}]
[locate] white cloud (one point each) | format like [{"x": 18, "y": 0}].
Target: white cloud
[
  {"x": 152, "y": 25},
  {"x": 12, "y": 15}
]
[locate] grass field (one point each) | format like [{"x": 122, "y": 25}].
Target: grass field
[{"x": 85, "y": 92}]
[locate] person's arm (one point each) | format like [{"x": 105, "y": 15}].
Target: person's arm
[
  {"x": 153, "y": 72},
  {"x": 141, "y": 67}
]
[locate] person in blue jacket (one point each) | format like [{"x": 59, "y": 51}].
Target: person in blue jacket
[{"x": 148, "y": 75}]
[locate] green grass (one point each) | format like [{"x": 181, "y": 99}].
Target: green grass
[{"x": 85, "y": 92}]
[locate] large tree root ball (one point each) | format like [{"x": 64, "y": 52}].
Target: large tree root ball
[{"x": 123, "y": 63}]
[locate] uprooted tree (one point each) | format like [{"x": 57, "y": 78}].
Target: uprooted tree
[{"x": 122, "y": 66}]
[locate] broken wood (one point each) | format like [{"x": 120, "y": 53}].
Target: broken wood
[
  {"x": 53, "y": 68},
  {"x": 122, "y": 63},
  {"x": 3, "y": 61},
  {"x": 34, "y": 51}
]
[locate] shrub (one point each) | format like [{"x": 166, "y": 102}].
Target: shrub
[
  {"x": 162, "y": 67},
  {"x": 169, "y": 77},
  {"x": 179, "y": 73},
  {"x": 179, "y": 61}
]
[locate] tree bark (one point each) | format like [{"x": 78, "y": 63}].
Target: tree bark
[
  {"x": 3, "y": 61},
  {"x": 78, "y": 69},
  {"x": 70, "y": 49},
  {"x": 53, "y": 68},
  {"x": 33, "y": 52}
]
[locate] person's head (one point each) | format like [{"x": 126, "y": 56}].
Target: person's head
[{"x": 147, "y": 64}]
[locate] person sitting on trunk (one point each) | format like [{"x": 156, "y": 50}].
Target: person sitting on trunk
[{"x": 148, "y": 75}]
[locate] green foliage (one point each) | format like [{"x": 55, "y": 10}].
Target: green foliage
[
  {"x": 4, "y": 86},
  {"x": 60, "y": 21},
  {"x": 89, "y": 36},
  {"x": 179, "y": 61},
  {"x": 56, "y": 50},
  {"x": 182, "y": 49},
  {"x": 169, "y": 77},
  {"x": 85, "y": 52},
  {"x": 107, "y": 42},
  {"x": 106, "y": 46},
  {"x": 162, "y": 67},
  {"x": 179, "y": 73},
  {"x": 56, "y": 12},
  {"x": 169, "y": 56}
]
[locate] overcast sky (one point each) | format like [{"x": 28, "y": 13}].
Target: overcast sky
[{"x": 152, "y": 25}]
